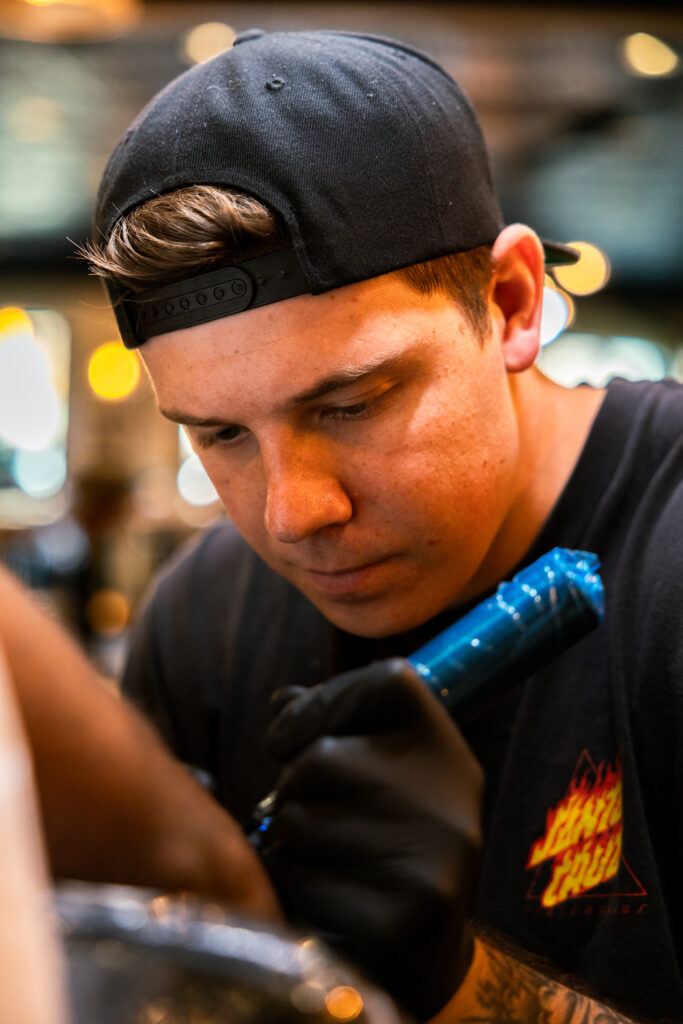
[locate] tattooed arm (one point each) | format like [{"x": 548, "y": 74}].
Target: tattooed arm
[{"x": 499, "y": 989}]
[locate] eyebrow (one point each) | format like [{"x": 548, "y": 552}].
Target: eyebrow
[{"x": 334, "y": 382}]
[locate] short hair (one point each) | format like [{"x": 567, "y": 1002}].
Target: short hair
[{"x": 183, "y": 233}]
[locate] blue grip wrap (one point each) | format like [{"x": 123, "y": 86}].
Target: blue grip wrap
[{"x": 546, "y": 607}]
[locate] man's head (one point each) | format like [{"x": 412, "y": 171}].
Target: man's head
[
  {"x": 304, "y": 235},
  {"x": 366, "y": 152}
]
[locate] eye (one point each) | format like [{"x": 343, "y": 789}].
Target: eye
[
  {"x": 227, "y": 435},
  {"x": 358, "y": 410},
  {"x": 348, "y": 412}
]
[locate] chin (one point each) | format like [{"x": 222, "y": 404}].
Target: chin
[{"x": 374, "y": 623}]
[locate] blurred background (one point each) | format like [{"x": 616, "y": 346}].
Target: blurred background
[{"x": 582, "y": 107}]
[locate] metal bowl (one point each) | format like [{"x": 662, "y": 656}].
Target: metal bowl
[{"x": 140, "y": 957}]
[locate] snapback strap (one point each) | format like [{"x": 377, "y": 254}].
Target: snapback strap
[{"x": 210, "y": 296}]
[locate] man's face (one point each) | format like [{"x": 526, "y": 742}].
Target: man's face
[{"x": 364, "y": 442}]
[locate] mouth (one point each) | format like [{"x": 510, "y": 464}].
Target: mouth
[{"x": 354, "y": 581}]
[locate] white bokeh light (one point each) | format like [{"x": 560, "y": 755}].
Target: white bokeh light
[
  {"x": 39, "y": 474},
  {"x": 556, "y": 315},
  {"x": 194, "y": 485},
  {"x": 592, "y": 359},
  {"x": 30, "y": 416}
]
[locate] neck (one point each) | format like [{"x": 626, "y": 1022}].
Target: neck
[{"x": 553, "y": 423}]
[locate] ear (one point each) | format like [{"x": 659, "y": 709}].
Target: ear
[{"x": 517, "y": 292}]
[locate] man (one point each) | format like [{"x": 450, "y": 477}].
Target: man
[{"x": 303, "y": 238}]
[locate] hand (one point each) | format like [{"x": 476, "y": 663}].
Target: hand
[{"x": 376, "y": 828}]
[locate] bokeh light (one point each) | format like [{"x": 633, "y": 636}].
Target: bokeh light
[
  {"x": 647, "y": 56},
  {"x": 39, "y": 474},
  {"x": 52, "y": 21},
  {"x": 193, "y": 484},
  {"x": 14, "y": 321},
  {"x": 30, "y": 414},
  {"x": 344, "y": 1003},
  {"x": 557, "y": 315},
  {"x": 108, "y": 611},
  {"x": 113, "y": 371},
  {"x": 588, "y": 275},
  {"x": 207, "y": 40},
  {"x": 578, "y": 358}
]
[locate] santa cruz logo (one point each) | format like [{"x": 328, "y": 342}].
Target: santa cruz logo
[{"x": 582, "y": 841}]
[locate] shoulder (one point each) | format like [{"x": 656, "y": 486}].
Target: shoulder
[
  {"x": 214, "y": 569},
  {"x": 647, "y": 576},
  {"x": 199, "y": 560},
  {"x": 650, "y": 412}
]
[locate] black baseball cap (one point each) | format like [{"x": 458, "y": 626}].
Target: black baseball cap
[{"x": 368, "y": 151}]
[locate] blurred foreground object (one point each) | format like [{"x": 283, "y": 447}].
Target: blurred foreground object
[
  {"x": 30, "y": 963},
  {"x": 137, "y": 957},
  {"x": 115, "y": 805}
]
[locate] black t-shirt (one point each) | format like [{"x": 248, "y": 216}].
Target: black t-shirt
[{"x": 584, "y": 761}]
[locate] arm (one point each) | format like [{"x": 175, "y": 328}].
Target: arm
[
  {"x": 116, "y": 807},
  {"x": 31, "y": 983},
  {"x": 376, "y": 836},
  {"x": 500, "y": 989}
]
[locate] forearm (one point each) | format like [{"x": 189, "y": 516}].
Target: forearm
[
  {"x": 115, "y": 805},
  {"x": 30, "y": 963},
  {"x": 499, "y": 989}
]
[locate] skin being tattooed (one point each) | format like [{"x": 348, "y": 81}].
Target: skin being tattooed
[{"x": 499, "y": 989}]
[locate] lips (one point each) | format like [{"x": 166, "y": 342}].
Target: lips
[
  {"x": 357, "y": 580},
  {"x": 341, "y": 572}
]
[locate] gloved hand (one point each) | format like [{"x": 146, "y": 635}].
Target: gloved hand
[{"x": 376, "y": 828}]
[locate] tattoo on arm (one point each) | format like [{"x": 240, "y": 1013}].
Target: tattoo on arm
[{"x": 510, "y": 992}]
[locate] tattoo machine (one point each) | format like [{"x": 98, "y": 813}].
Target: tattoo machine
[{"x": 544, "y": 609}]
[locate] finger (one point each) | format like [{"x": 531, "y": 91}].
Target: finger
[
  {"x": 280, "y": 698},
  {"x": 378, "y": 697},
  {"x": 320, "y": 832},
  {"x": 335, "y": 768},
  {"x": 344, "y": 905}
]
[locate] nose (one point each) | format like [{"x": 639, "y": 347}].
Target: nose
[{"x": 304, "y": 491}]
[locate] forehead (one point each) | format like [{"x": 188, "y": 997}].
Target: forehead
[{"x": 281, "y": 349}]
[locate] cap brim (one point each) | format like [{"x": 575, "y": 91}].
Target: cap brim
[{"x": 559, "y": 255}]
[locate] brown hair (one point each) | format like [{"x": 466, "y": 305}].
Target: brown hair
[{"x": 184, "y": 232}]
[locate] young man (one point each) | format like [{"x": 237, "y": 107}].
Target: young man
[{"x": 303, "y": 238}]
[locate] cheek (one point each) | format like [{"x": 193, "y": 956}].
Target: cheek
[
  {"x": 450, "y": 465},
  {"x": 241, "y": 493}
]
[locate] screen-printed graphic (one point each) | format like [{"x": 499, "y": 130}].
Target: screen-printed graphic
[{"x": 582, "y": 841}]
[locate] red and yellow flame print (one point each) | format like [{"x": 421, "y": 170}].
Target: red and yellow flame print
[{"x": 582, "y": 837}]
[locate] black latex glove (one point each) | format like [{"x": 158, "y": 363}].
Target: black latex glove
[{"x": 376, "y": 828}]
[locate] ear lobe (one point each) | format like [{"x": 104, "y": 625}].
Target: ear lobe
[{"x": 517, "y": 291}]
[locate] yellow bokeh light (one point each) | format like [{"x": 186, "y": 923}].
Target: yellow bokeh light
[
  {"x": 648, "y": 56},
  {"x": 54, "y": 21},
  {"x": 113, "y": 371},
  {"x": 13, "y": 321},
  {"x": 207, "y": 40},
  {"x": 589, "y": 275},
  {"x": 344, "y": 1003}
]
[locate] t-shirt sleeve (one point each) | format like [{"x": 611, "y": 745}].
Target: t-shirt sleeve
[{"x": 176, "y": 658}]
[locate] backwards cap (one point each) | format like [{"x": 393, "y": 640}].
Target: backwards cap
[{"x": 369, "y": 152}]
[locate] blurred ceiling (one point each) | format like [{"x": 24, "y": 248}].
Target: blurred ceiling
[{"x": 583, "y": 147}]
